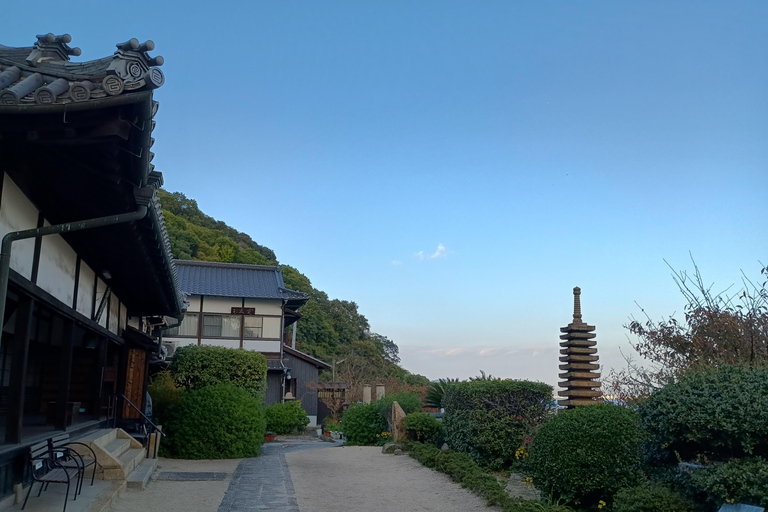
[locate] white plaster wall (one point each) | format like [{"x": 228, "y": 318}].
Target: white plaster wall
[
  {"x": 123, "y": 317},
  {"x": 180, "y": 342},
  {"x": 134, "y": 321},
  {"x": 56, "y": 272},
  {"x": 18, "y": 213},
  {"x": 312, "y": 420},
  {"x": 114, "y": 313},
  {"x": 221, "y": 304},
  {"x": 263, "y": 306},
  {"x": 101, "y": 287},
  {"x": 220, "y": 343},
  {"x": 271, "y": 327},
  {"x": 85, "y": 290},
  {"x": 194, "y": 303},
  {"x": 261, "y": 346}
]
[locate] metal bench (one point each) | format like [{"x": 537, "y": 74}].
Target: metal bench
[
  {"x": 60, "y": 447},
  {"x": 46, "y": 469}
]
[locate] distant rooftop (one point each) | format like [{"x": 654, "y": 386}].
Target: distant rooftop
[{"x": 236, "y": 280}]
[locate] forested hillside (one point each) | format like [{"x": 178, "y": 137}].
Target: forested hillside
[{"x": 328, "y": 329}]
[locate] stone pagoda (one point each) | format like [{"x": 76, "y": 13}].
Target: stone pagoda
[{"x": 579, "y": 356}]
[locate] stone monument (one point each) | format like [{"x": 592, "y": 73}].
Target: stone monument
[{"x": 580, "y": 360}]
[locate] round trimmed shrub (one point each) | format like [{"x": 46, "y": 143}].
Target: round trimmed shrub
[
  {"x": 711, "y": 412},
  {"x": 586, "y": 454},
  {"x": 197, "y": 366},
  {"x": 423, "y": 428},
  {"x": 362, "y": 423},
  {"x": 489, "y": 419},
  {"x": 740, "y": 480},
  {"x": 222, "y": 421},
  {"x": 286, "y": 418},
  {"x": 651, "y": 498}
]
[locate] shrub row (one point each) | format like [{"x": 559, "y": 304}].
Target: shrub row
[
  {"x": 422, "y": 427},
  {"x": 461, "y": 468},
  {"x": 488, "y": 419},
  {"x": 362, "y": 423}
]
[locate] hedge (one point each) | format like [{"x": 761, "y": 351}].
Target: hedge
[
  {"x": 220, "y": 421},
  {"x": 461, "y": 468},
  {"x": 422, "y": 427},
  {"x": 197, "y": 366},
  {"x": 362, "y": 423},
  {"x": 586, "y": 454},
  {"x": 717, "y": 413},
  {"x": 489, "y": 419},
  {"x": 286, "y": 418}
]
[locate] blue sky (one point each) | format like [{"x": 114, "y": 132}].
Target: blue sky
[{"x": 456, "y": 168}]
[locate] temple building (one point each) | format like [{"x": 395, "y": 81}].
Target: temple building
[
  {"x": 579, "y": 356},
  {"x": 86, "y": 272}
]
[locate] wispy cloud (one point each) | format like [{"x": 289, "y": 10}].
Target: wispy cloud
[
  {"x": 396, "y": 262},
  {"x": 440, "y": 252}
]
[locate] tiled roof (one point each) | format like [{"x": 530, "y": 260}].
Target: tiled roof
[
  {"x": 42, "y": 74},
  {"x": 235, "y": 280}
]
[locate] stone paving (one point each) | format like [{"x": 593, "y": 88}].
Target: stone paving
[{"x": 262, "y": 483}]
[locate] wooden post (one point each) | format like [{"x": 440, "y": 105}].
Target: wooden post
[
  {"x": 65, "y": 374},
  {"x": 19, "y": 369},
  {"x": 98, "y": 379}
]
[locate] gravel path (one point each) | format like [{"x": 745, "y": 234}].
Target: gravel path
[{"x": 361, "y": 478}]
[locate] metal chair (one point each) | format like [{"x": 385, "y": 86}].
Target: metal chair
[
  {"x": 46, "y": 470},
  {"x": 60, "y": 447}
]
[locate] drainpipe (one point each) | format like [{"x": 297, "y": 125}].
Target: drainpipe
[{"x": 5, "y": 248}]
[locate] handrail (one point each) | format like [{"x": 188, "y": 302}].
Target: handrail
[{"x": 155, "y": 428}]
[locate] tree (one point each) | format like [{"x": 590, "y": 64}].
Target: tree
[{"x": 718, "y": 328}]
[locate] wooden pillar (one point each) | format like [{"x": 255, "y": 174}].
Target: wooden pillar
[
  {"x": 19, "y": 369},
  {"x": 98, "y": 378},
  {"x": 65, "y": 375}
]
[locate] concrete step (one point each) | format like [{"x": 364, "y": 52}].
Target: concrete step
[
  {"x": 140, "y": 476},
  {"x": 101, "y": 437},
  {"x": 118, "y": 447},
  {"x": 131, "y": 459}
]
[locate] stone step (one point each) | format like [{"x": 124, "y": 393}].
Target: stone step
[
  {"x": 140, "y": 476},
  {"x": 101, "y": 437},
  {"x": 118, "y": 447},
  {"x": 131, "y": 459}
]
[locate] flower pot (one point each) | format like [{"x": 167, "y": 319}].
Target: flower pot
[
  {"x": 269, "y": 439},
  {"x": 327, "y": 433}
]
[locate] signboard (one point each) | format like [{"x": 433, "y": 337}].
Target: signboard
[{"x": 243, "y": 311}]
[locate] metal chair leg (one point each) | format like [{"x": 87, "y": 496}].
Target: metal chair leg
[
  {"x": 66, "y": 497},
  {"x": 28, "y": 493}
]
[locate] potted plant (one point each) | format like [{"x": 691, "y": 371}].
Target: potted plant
[{"x": 269, "y": 437}]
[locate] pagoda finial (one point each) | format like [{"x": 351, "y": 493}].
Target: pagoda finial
[{"x": 577, "y": 305}]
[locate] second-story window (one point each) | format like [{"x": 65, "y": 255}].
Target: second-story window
[
  {"x": 188, "y": 326},
  {"x": 253, "y": 327},
  {"x": 221, "y": 326}
]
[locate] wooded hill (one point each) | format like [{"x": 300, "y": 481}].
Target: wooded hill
[{"x": 328, "y": 329}]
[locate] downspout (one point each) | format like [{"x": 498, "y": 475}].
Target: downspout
[{"x": 5, "y": 247}]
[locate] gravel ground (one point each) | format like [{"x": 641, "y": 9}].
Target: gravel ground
[
  {"x": 171, "y": 496},
  {"x": 361, "y": 478}
]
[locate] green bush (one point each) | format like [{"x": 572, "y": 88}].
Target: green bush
[
  {"x": 197, "y": 366},
  {"x": 586, "y": 454},
  {"x": 651, "y": 498},
  {"x": 220, "y": 421},
  {"x": 286, "y": 418},
  {"x": 423, "y": 428},
  {"x": 711, "y": 413},
  {"x": 461, "y": 468},
  {"x": 740, "y": 480},
  {"x": 488, "y": 419},
  {"x": 165, "y": 394},
  {"x": 409, "y": 402},
  {"x": 362, "y": 423}
]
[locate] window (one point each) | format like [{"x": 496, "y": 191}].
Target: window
[
  {"x": 253, "y": 327},
  {"x": 188, "y": 326},
  {"x": 221, "y": 326}
]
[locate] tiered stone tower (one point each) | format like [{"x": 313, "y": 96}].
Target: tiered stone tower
[{"x": 580, "y": 360}]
